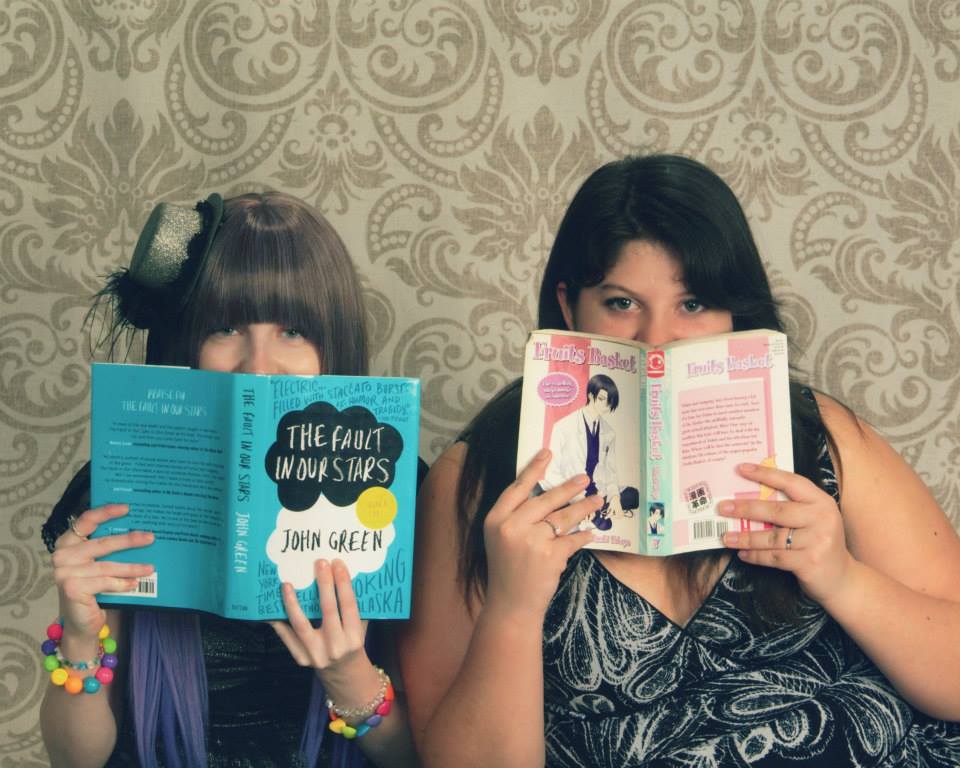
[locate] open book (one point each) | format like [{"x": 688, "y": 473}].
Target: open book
[
  {"x": 659, "y": 431},
  {"x": 246, "y": 480}
]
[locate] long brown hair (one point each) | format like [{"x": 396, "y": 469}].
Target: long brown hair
[{"x": 277, "y": 260}]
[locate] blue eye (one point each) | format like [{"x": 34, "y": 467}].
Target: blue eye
[
  {"x": 292, "y": 333},
  {"x": 225, "y": 331}
]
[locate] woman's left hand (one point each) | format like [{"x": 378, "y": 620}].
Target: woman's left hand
[
  {"x": 807, "y": 537},
  {"x": 335, "y": 649}
]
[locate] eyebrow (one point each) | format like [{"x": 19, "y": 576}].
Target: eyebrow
[{"x": 624, "y": 289}]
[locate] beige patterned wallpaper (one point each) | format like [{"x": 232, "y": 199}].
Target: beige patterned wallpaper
[{"x": 443, "y": 139}]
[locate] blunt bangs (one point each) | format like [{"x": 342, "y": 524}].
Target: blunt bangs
[
  {"x": 277, "y": 261},
  {"x": 265, "y": 283}
]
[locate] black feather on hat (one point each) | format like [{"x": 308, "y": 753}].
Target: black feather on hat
[{"x": 151, "y": 293}]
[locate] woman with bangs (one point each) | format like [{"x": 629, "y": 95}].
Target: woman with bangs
[
  {"x": 828, "y": 640},
  {"x": 260, "y": 283}
]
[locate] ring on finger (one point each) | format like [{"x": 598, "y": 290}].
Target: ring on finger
[
  {"x": 789, "y": 542},
  {"x": 553, "y": 527},
  {"x": 72, "y": 522}
]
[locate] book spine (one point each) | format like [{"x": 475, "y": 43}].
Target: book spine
[
  {"x": 657, "y": 534},
  {"x": 246, "y": 403}
]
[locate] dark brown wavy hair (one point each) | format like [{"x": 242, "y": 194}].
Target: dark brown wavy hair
[{"x": 689, "y": 211}]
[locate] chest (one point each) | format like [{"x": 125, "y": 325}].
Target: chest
[{"x": 675, "y": 588}]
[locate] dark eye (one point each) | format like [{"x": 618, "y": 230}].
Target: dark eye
[
  {"x": 692, "y": 306},
  {"x": 292, "y": 333},
  {"x": 619, "y": 303},
  {"x": 228, "y": 330}
]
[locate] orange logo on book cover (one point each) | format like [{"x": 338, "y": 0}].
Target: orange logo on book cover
[{"x": 656, "y": 363}]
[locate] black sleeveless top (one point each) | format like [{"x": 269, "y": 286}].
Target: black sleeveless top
[{"x": 625, "y": 686}]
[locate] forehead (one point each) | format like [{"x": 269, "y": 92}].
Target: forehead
[{"x": 642, "y": 261}]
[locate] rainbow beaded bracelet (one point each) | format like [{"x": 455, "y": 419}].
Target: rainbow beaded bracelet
[
  {"x": 373, "y": 713},
  {"x": 64, "y": 672}
]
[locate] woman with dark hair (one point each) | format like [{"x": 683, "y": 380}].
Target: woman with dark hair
[
  {"x": 829, "y": 639},
  {"x": 258, "y": 284}
]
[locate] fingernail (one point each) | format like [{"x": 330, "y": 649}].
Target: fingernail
[
  {"x": 581, "y": 479},
  {"x": 747, "y": 467},
  {"x": 731, "y": 539},
  {"x": 725, "y": 507},
  {"x": 541, "y": 454}
]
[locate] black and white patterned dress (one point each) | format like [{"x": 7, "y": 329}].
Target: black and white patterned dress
[{"x": 625, "y": 686}]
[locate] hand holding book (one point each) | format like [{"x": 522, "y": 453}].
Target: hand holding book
[{"x": 805, "y": 533}]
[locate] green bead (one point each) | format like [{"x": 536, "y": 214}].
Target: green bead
[
  {"x": 50, "y": 663},
  {"x": 109, "y": 645}
]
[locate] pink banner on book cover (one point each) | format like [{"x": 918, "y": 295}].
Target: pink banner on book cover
[{"x": 578, "y": 373}]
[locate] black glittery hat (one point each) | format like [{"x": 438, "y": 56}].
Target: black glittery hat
[{"x": 174, "y": 241}]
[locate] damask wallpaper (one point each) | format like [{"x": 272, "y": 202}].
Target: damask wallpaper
[{"x": 443, "y": 138}]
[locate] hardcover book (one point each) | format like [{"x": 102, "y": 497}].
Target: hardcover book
[
  {"x": 659, "y": 431},
  {"x": 247, "y": 479}
]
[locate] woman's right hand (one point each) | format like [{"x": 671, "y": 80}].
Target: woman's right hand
[
  {"x": 530, "y": 539},
  {"x": 79, "y": 576}
]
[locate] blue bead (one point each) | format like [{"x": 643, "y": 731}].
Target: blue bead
[
  {"x": 374, "y": 720},
  {"x": 91, "y": 685},
  {"x": 48, "y": 647},
  {"x": 362, "y": 729}
]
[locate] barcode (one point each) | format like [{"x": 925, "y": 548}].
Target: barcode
[
  {"x": 147, "y": 585},
  {"x": 709, "y": 529}
]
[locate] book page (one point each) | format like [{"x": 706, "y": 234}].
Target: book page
[{"x": 581, "y": 399}]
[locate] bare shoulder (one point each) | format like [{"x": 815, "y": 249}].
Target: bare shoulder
[{"x": 891, "y": 519}]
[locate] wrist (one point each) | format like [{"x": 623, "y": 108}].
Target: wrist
[
  {"x": 354, "y": 722},
  {"x": 846, "y": 593},
  {"x": 352, "y": 683},
  {"x": 510, "y": 617}
]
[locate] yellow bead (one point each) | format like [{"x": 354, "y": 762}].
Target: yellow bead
[
  {"x": 104, "y": 632},
  {"x": 338, "y": 725},
  {"x": 59, "y": 676}
]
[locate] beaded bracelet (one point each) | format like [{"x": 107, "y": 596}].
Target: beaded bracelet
[
  {"x": 373, "y": 713},
  {"x": 54, "y": 662}
]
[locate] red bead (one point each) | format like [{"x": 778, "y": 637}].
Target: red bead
[
  {"x": 104, "y": 675},
  {"x": 55, "y": 632},
  {"x": 384, "y": 709}
]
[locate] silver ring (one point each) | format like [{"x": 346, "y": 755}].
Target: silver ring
[
  {"x": 553, "y": 527},
  {"x": 789, "y": 543},
  {"x": 72, "y": 522}
]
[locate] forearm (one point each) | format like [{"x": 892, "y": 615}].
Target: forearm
[
  {"x": 357, "y": 682},
  {"x": 78, "y": 730},
  {"x": 493, "y": 712},
  {"x": 910, "y": 636},
  {"x": 390, "y": 744}
]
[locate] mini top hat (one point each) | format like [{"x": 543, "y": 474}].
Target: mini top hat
[{"x": 174, "y": 242}]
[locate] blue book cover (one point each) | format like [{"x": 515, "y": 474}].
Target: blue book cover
[{"x": 247, "y": 479}]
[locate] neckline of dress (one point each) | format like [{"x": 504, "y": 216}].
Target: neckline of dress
[{"x": 682, "y": 628}]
